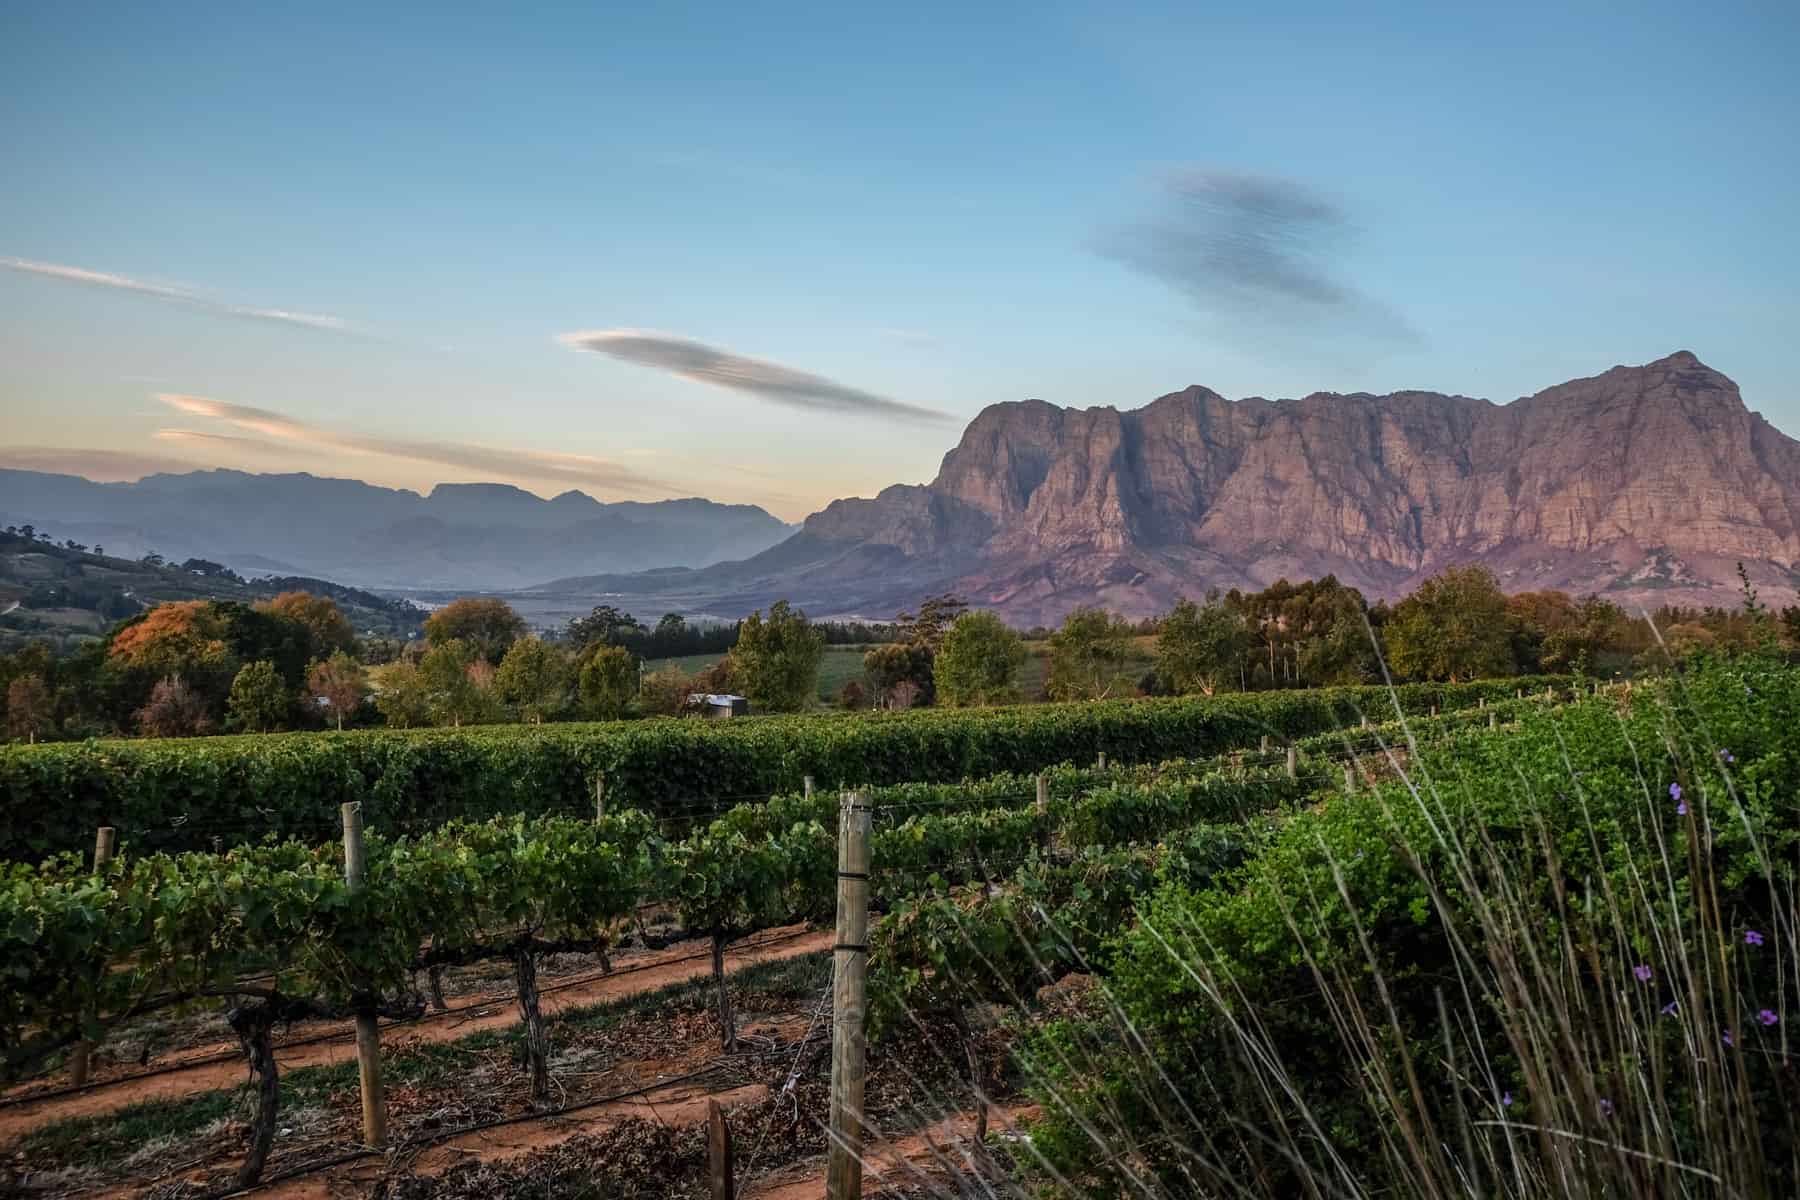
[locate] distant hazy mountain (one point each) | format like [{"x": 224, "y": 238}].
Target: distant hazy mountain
[
  {"x": 476, "y": 536},
  {"x": 1645, "y": 484}
]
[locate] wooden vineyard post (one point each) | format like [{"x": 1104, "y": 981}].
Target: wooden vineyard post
[
  {"x": 1493, "y": 722},
  {"x": 721, "y": 1169},
  {"x": 806, "y": 783},
  {"x": 843, "y": 1171},
  {"x": 1264, "y": 747},
  {"x": 1349, "y": 780},
  {"x": 1293, "y": 763},
  {"x": 1100, "y": 763},
  {"x": 599, "y": 796},
  {"x": 106, "y": 838},
  {"x": 1043, "y": 811},
  {"x": 368, "y": 1037}
]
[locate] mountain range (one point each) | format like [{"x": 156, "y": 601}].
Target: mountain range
[
  {"x": 1645, "y": 484},
  {"x": 473, "y": 536}
]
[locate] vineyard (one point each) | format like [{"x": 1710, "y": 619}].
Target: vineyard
[
  {"x": 180, "y": 794},
  {"x": 1295, "y": 849}
]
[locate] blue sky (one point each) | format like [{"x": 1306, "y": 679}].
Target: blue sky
[{"x": 358, "y": 242}]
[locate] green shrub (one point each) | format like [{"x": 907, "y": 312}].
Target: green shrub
[{"x": 1527, "y": 968}]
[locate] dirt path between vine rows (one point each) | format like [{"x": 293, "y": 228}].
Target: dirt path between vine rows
[
  {"x": 941, "y": 1149},
  {"x": 929, "y": 1154},
  {"x": 675, "y": 1104},
  {"x": 498, "y": 1010}
]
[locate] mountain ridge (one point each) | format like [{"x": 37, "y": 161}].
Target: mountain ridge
[
  {"x": 458, "y": 535},
  {"x": 1644, "y": 483}
]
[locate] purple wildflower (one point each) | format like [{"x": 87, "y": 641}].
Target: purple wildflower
[
  {"x": 1670, "y": 1009},
  {"x": 1606, "y": 1108},
  {"x": 1506, "y": 1100},
  {"x": 1643, "y": 972},
  {"x": 1681, "y": 809},
  {"x": 1752, "y": 938},
  {"x": 1725, "y": 755},
  {"x": 1674, "y": 791},
  {"x": 1727, "y": 1038},
  {"x": 1767, "y": 1017}
]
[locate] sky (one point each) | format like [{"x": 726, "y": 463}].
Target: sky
[{"x": 778, "y": 254}]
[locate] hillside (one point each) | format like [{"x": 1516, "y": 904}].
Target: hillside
[
  {"x": 61, "y": 594},
  {"x": 1645, "y": 484},
  {"x": 460, "y": 536}
]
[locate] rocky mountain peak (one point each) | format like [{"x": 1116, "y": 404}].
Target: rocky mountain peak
[{"x": 1645, "y": 483}]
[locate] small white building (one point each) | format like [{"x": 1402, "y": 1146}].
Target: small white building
[{"x": 711, "y": 704}]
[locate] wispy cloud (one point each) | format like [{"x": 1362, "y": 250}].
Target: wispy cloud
[
  {"x": 235, "y": 443},
  {"x": 1254, "y": 248},
  {"x": 771, "y": 381},
  {"x": 174, "y": 294},
  {"x": 499, "y": 461}
]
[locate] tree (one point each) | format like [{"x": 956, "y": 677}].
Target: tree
[
  {"x": 338, "y": 685},
  {"x": 978, "y": 662},
  {"x": 608, "y": 626},
  {"x": 1345, "y": 652},
  {"x": 664, "y": 692},
  {"x": 1201, "y": 648},
  {"x": 1304, "y": 634},
  {"x": 777, "y": 658},
  {"x": 933, "y": 621},
  {"x": 30, "y": 709},
  {"x": 452, "y": 674},
  {"x": 327, "y": 628},
  {"x": 1088, "y": 655},
  {"x": 174, "y": 710},
  {"x": 671, "y": 631},
  {"x": 182, "y": 635},
  {"x": 489, "y": 627},
  {"x": 402, "y": 697},
  {"x": 186, "y": 640},
  {"x": 260, "y": 701},
  {"x": 534, "y": 678},
  {"x": 608, "y": 681},
  {"x": 896, "y": 663},
  {"x": 1454, "y": 627}
]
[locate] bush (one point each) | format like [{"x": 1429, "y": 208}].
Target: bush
[{"x": 1582, "y": 926}]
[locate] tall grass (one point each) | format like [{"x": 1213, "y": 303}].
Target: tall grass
[{"x": 1553, "y": 960}]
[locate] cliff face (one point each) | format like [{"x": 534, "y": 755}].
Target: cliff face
[{"x": 1646, "y": 483}]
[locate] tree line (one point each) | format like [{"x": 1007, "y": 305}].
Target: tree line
[{"x": 206, "y": 666}]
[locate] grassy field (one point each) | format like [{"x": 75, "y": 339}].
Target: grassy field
[{"x": 841, "y": 664}]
